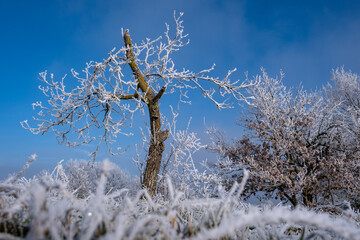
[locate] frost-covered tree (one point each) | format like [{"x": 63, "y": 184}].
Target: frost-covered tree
[
  {"x": 345, "y": 94},
  {"x": 301, "y": 146},
  {"x": 106, "y": 97}
]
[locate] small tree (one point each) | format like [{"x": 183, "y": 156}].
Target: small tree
[{"x": 107, "y": 99}]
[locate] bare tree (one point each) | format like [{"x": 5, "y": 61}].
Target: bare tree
[{"x": 107, "y": 99}]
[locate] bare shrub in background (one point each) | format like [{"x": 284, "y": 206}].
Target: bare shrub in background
[{"x": 302, "y": 147}]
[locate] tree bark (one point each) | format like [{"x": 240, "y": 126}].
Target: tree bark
[
  {"x": 158, "y": 137},
  {"x": 156, "y": 149}
]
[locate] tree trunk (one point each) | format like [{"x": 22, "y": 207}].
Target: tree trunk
[
  {"x": 307, "y": 197},
  {"x": 156, "y": 149},
  {"x": 158, "y": 137}
]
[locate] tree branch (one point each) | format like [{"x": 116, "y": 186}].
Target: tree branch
[
  {"x": 143, "y": 85},
  {"x": 159, "y": 95},
  {"x": 127, "y": 97}
]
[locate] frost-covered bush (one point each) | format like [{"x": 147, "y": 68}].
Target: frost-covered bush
[
  {"x": 46, "y": 208},
  {"x": 81, "y": 177},
  {"x": 180, "y": 166},
  {"x": 302, "y": 147}
]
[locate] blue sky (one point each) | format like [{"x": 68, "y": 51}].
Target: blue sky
[{"x": 306, "y": 39}]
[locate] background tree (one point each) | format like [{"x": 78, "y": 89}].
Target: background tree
[
  {"x": 106, "y": 98},
  {"x": 345, "y": 94},
  {"x": 301, "y": 147}
]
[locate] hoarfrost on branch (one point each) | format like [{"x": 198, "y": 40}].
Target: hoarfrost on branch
[{"x": 106, "y": 98}]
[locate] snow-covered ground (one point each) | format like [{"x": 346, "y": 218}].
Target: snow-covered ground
[{"x": 77, "y": 201}]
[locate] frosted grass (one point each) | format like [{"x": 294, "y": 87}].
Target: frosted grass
[{"x": 50, "y": 207}]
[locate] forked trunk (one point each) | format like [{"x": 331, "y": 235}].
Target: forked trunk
[{"x": 158, "y": 137}]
